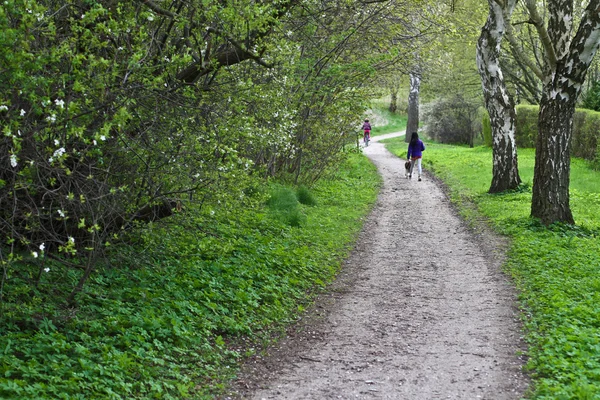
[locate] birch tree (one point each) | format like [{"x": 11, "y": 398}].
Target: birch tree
[
  {"x": 567, "y": 59},
  {"x": 498, "y": 101},
  {"x": 412, "y": 124}
]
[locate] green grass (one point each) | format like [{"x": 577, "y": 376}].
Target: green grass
[
  {"x": 396, "y": 122},
  {"x": 174, "y": 314},
  {"x": 556, "y": 269}
]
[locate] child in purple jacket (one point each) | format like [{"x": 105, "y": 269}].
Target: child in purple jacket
[
  {"x": 367, "y": 131},
  {"x": 415, "y": 153}
]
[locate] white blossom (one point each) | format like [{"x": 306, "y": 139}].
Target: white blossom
[
  {"x": 60, "y": 103},
  {"x": 42, "y": 246},
  {"x": 46, "y": 269},
  {"x": 56, "y": 142},
  {"x": 51, "y": 118},
  {"x": 22, "y": 112},
  {"x": 61, "y": 213},
  {"x": 3, "y": 107},
  {"x": 103, "y": 138},
  {"x": 71, "y": 239},
  {"x": 34, "y": 254},
  {"x": 13, "y": 160}
]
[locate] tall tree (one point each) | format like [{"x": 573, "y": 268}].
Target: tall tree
[
  {"x": 567, "y": 61},
  {"x": 412, "y": 124},
  {"x": 498, "y": 101}
]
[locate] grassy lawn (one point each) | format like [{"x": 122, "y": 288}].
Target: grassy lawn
[{"x": 556, "y": 269}]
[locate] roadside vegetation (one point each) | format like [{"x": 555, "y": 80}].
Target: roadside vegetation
[
  {"x": 170, "y": 316},
  {"x": 555, "y": 268}
]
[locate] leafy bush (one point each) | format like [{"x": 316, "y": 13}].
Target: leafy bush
[
  {"x": 305, "y": 196},
  {"x": 526, "y": 126},
  {"x": 171, "y": 315},
  {"x": 453, "y": 120},
  {"x": 284, "y": 205},
  {"x": 586, "y": 129},
  {"x": 486, "y": 128},
  {"x": 591, "y": 98}
]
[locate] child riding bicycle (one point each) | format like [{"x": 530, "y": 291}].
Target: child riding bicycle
[{"x": 367, "y": 132}]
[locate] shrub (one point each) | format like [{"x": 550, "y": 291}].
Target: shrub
[
  {"x": 284, "y": 205},
  {"x": 526, "y": 130},
  {"x": 486, "y": 127},
  {"x": 586, "y": 125},
  {"x": 452, "y": 120},
  {"x": 591, "y": 98},
  {"x": 305, "y": 197}
]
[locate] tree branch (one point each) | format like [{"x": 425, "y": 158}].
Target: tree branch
[
  {"x": 158, "y": 9},
  {"x": 538, "y": 22}
]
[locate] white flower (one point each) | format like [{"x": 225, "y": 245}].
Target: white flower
[
  {"x": 13, "y": 160},
  {"x": 42, "y": 246},
  {"x": 51, "y": 118},
  {"x": 60, "y": 103},
  {"x": 94, "y": 141},
  {"x": 3, "y": 108},
  {"x": 103, "y": 138},
  {"x": 59, "y": 152},
  {"x": 150, "y": 18},
  {"x": 34, "y": 254},
  {"x": 61, "y": 213},
  {"x": 47, "y": 269},
  {"x": 71, "y": 239},
  {"x": 56, "y": 142},
  {"x": 22, "y": 112}
]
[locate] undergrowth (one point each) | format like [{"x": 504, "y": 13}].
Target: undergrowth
[
  {"x": 171, "y": 315},
  {"x": 556, "y": 269}
]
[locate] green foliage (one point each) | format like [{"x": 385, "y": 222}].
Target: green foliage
[
  {"x": 284, "y": 204},
  {"x": 586, "y": 125},
  {"x": 385, "y": 121},
  {"x": 591, "y": 98},
  {"x": 486, "y": 128},
  {"x": 453, "y": 120},
  {"x": 170, "y": 315},
  {"x": 555, "y": 268},
  {"x": 305, "y": 196},
  {"x": 526, "y": 126}
]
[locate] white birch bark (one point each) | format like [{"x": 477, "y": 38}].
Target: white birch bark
[
  {"x": 412, "y": 123},
  {"x": 563, "y": 82},
  {"x": 499, "y": 103}
]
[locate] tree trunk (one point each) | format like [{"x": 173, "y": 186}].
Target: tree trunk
[
  {"x": 550, "y": 200},
  {"x": 499, "y": 103},
  {"x": 565, "y": 75},
  {"x": 393, "y": 100},
  {"x": 412, "y": 124}
]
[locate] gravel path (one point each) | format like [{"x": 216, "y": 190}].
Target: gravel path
[{"x": 420, "y": 311}]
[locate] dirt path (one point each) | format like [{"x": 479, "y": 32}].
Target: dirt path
[{"x": 419, "y": 311}]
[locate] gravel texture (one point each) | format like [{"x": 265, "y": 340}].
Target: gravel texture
[{"x": 420, "y": 310}]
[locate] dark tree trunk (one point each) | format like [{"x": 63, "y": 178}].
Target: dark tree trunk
[
  {"x": 550, "y": 200},
  {"x": 412, "y": 124},
  {"x": 499, "y": 103},
  {"x": 393, "y": 100}
]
